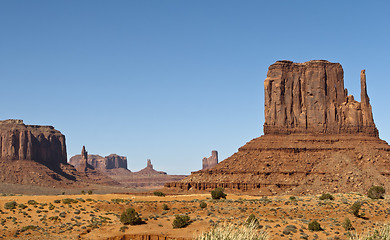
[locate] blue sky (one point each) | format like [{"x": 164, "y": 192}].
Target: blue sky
[{"x": 173, "y": 80}]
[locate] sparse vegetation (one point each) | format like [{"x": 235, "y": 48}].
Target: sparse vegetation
[
  {"x": 218, "y": 193},
  {"x": 165, "y": 207},
  {"x": 123, "y": 228},
  {"x": 382, "y": 233},
  {"x": 355, "y": 208},
  {"x": 69, "y": 201},
  {"x": 293, "y": 198},
  {"x": 181, "y": 221},
  {"x": 314, "y": 226},
  {"x": 202, "y": 204},
  {"x": 90, "y": 192},
  {"x": 326, "y": 196},
  {"x": 130, "y": 217},
  {"x": 231, "y": 231},
  {"x": 10, "y": 205},
  {"x": 347, "y": 225},
  {"x": 376, "y": 192},
  {"x": 32, "y": 202},
  {"x": 159, "y": 194},
  {"x": 252, "y": 220}
]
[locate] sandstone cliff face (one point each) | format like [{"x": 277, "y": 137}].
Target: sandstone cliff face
[
  {"x": 112, "y": 161},
  {"x": 310, "y": 98},
  {"x": 210, "y": 162},
  {"x": 42, "y": 144},
  {"x": 317, "y": 139}
]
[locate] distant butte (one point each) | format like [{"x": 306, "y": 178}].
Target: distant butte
[{"x": 317, "y": 139}]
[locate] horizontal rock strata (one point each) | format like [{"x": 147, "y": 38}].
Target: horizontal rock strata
[{"x": 317, "y": 139}]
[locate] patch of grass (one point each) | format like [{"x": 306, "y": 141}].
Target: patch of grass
[{"x": 231, "y": 231}]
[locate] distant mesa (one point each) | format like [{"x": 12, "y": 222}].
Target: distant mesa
[
  {"x": 42, "y": 144},
  {"x": 317, "y": 138},
  {"x": 210, "y": 162},
  {"x": 98, "y": 162},
  {"x": 36, "y": 155}
]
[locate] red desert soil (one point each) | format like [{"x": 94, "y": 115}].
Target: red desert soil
[{"x": 97, "y": 216}]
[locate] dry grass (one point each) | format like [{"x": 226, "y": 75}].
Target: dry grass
[{"x": 232, "y": 232}]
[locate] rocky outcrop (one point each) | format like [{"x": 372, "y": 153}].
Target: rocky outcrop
[
  {"x": 310, "y": 98},
  {"x": 111, "y": 161},
  {"x": 210, "y": 161},
  {"x": 42, "y": 144},
  {"x": 149, "y": 170},
  {"x": 317, "y": 139}
]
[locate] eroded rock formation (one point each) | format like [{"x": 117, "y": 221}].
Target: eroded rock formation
[
  {"x": 317, "y": 139},
  {"x": 310, "y": 98},
  {"x": 210, "y": 162},
  {"x": 42, "y": 144},
  {"x": 97, "y": 162}
]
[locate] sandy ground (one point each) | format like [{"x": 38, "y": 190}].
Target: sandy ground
[{"x": 96, "y": 216}]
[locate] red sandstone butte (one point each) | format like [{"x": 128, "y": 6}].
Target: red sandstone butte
[{"x": 317, "y": 139}]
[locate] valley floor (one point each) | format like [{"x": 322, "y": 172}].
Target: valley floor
[{"x": 96, "y": 216}]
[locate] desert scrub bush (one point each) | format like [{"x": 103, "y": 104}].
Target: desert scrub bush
[
  {"x": 10, "y": 205},
  {"x": 165, "y": 207},
  {"x": 326, "y": 196},
  {"x": 231, "y": 231},
  {"x": 130, "y": 217},
  {"x": 123, "y": 228},
  {"x": 376, "y": 192},
  {"x": 382, "y": 233},
  {"x": 202, "y": 204},
  {"x": 252, "y": 219},
  {"x": 218, "y": 193},
  {"x": 22, "y": 206},
  {"x": 69, "y": 201},
  {"x": 159, "y": 194},
  {"x": 347, "y": 225},
  {"x": 293, "y": 198},
  {"x": 355, "y": 208},
  {"x": 57, "y": 201},
  {"x": 32, "y": 202},
  {"x": 90, "y": 192},
  {"x": 29, "y": 227},
  {"x": 181, "y": 221},
  {"x": 314, "y": 226}
]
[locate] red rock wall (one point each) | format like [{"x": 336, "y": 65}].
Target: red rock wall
[
  {"x": 210, "y": 162},
  {"x": 310, "y": 98},
  {"x": 42, "y": 144}
]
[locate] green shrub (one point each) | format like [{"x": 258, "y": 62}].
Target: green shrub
[
  {"x": 326, "y": 196},
  {"x": 252, "y": 220},
  {"x": 83, "y": 192},
  {"x": 355, "y": 208},
  {"x": 32, "y": 202},
  {"x": 69, "y": 201},
  {"x": 57, "y": 201},
  {"x": 181, "y": 221},
  {"x": 89, "y": 192},
  {"x": 376, "y": 192},
  {"x": 130, "y": 217},
  {"x": 159, "y": 194},
  {"x": 51, "y": 206},
  {"x": 165, "y": 207},
  {"x": 123, "y": 228},
  {"x": 218, "y": 193},
  {"x": 231, "y": 231},
  {"x": 347, "y": 225},
  {"x": 293, "y": 198},
  {"x": 202, "y": 204},
  {"x": 10, "y": 205},
  {"x": 314, "y": 226},
  {"x": 22, "y": 206}
]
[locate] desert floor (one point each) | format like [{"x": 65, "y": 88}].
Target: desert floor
[{"x": 96, "y": 216}]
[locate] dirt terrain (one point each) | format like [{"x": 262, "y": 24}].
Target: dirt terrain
[{"x": 96, "y": 216}]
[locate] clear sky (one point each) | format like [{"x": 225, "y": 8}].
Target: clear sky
[{"x": 172, "y": 80}]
